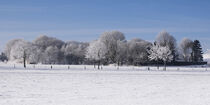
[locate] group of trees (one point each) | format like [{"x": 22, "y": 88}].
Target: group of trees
[
  {"x": 46, "y": 50},
  {"x": 110, "y": 48},
  {"x": 191, "y": 51}
]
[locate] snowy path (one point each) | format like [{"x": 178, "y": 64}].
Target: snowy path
[{"x": 60, "y": 87}]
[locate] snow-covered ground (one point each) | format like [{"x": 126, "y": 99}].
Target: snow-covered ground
[
  {"x": 82, "y": 85},
  {"x": 206, "y": 56}
]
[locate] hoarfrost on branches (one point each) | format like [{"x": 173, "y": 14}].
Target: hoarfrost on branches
[
  {"x": 186, "y": 48},
  {"x": 163, "y": 53},
  {"x": 96, "y": 51}
]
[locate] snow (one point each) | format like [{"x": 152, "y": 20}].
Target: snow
[
  {"x": 127, "y": 86},
  {"x": 206, "y": 57}
]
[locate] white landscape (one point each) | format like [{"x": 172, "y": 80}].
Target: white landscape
[
  {"x": 84, "y": 85},
  {"x": 104, "y": 52},
  {"x": 42, "y": 72}
]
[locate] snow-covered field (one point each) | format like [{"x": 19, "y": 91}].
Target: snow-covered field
[{"x": 82, "y": 85}]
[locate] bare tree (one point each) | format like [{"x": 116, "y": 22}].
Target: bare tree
[
  {"x": 137, "y": 50},
  {"x": 121, "y": 52},
  {"x": 44, "y": 41},
  {"x": 74, "y": 52},
  {"x": 18, "y": 51},
  {"x": 9, "y": 46},
  {"x": 110, "y": 40},
  {"x": 96, "y": 51},
  {"x": 51, "y": 55},
  {"x": 186, "y": 48},
  {"x": 165, "y": 39}
]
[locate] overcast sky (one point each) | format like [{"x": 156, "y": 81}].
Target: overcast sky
[{"x": 85, "y": 20}]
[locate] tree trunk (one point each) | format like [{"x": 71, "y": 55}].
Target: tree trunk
[
  {"x": 118, "y": 64},
  {"x": 24, "y": 59},
  {"x": 24, "y": 62},
  {"x": 94, "y": 64},
  {"x": 164, "y": 66},
  {"x": 99, "y": 65}
]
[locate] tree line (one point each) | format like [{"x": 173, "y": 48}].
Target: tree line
[{"x": 110, "y": 48}]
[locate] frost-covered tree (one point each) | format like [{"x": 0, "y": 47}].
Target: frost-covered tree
[
  {"x": 163, "y": 53},
  {"x": 165, "y": 39},
  {"x": 166, "y": 55},
  {"x": 154, "y": 53},
  {"x": 121, "y": 52},
  {"x": 110, "y": 40},
  {"x": 9, "y": 46},
  {"x": 74, "y": 52},
  {"x": 137, "y": 51},
  {"x": 18, "y": 50},
  {"x": 51, "y": 55},
  {"x": 44, "y": 41},
  {"x": 96, "y": 51},
  {"x": 186, "y": 48},
  {"x": 36, "y": 55}
]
